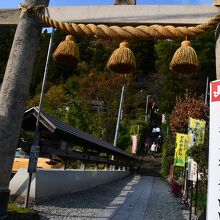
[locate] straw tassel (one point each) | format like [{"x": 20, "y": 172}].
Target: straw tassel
[
  {"x": 67, "y": 52},
  {"x": 185, "y": 59},
  {"x": 122, "y": 60}
]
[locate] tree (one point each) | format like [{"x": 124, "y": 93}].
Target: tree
[
  {"x": 106, "y": 88},
  {"x": 190, "y": 106},
  {"x": 6, "y": 39}
]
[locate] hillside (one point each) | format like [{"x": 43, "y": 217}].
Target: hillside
[{"x": 71, "y": 90}]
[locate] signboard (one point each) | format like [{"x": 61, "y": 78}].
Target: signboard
[
  {"x": 196, "y": 131},
  {"x": 213, "y": 201},
  {"x": 192, "y": 170},
  {"x": 180, "y": 150},
  {"x": 34, "y": 153}
]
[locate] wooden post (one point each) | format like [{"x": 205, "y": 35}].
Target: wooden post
[
  {"x": 217, "y": 51},
  {"x": 14, "y": 93}
]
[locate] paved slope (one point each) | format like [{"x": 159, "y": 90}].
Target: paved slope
[{"x": 132, "y": 198}]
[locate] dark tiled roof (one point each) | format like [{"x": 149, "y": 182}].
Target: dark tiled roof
[{"x": 84, "y": 138}]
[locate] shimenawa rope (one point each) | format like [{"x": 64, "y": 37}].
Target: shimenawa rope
[{"x": 141, "y": 32}]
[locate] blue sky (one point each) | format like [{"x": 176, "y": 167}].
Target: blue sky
[{"x": 15, "y": 3}]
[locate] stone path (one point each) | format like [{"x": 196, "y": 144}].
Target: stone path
[{"x": 132, "y": 198}]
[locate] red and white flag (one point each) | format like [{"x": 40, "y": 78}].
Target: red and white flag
[{"x": 134, "y": 144}]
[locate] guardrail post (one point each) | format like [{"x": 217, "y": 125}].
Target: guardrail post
[{"x": 82, "y": 165}]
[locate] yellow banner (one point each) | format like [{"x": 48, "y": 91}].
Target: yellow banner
[
  {"x": 180, "y": 150},
  {"x": 196, "y": 132}
]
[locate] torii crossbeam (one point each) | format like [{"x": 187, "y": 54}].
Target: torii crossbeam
[{"x": 122, "y": 14}]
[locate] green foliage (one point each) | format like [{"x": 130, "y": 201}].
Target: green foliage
[
  {"x": 169, "y": 90},
  {"x": 124, "y": 141},
  {"x": 75, "y": 115},
  {"x": 200, "y": 155},
  {"x": 27, "y": 135},
  {"x": 168, "y": 149},
  {"x": 73, "y": 164},
  {"x": 99, "y": 58},
  {"x": 145, "y": 56},
  {"x": 205, "y": 48},
  {"x": 72, "y": 85},
  {"x": 164, "y": 52},
  {"x": 6, "y": 39},
  {"x": 16, "y": 212},
  {"x": 134, "y": 129},
  {"x": 170, "y": 87}
]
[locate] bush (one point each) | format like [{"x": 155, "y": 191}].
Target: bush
[
  {"x": 176, "y": 188},
  {"x": 167, "y": 155}
]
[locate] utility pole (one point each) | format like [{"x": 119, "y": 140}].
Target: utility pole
[
  {"x": 34, "y": 152},
  {"x": 146, "y": 109},
  {"x": 14, "y": 94},
  {"x": 206, "y": 90},
  {"x": 119, "y": 116}
]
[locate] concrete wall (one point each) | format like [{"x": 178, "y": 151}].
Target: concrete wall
[
  {"x": 18, "y": 185},
  {"x": 47, "y": 184}
]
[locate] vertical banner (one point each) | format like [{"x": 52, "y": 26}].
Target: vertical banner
[
  {"x": 213, "y": 201},
  {"x": 134, "y": 144},
  {"x": 180, "y": 150},
  {"x": 196, "y": 132}
]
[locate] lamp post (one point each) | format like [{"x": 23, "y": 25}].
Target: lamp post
[{"x": 34, "y": 153}]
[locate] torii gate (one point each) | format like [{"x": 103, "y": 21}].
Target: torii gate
[{"x": 15, "y": 86}]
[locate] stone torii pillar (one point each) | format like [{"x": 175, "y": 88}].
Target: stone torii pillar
[
  {"x": 14, "y": 93},
  {"x": 125, "y": 2}
]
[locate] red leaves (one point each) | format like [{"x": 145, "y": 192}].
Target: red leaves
[{"x": 190, "y": 106}]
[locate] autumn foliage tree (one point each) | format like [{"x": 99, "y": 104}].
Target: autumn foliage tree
[{"x": 190, "y": 106}]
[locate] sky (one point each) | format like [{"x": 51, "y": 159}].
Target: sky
[{"x": 15, "y": 3}]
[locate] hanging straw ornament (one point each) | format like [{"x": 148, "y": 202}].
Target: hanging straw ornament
[
  {"x": 185, "y": 59},
  {"x": 216, "y": 3},
  {"x": 67, "y": 52},
  {"x": 122, "y": 60}
]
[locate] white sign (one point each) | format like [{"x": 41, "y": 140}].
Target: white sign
[
  {"x": 192, "y": 170},
  {"x": 213, "y": 202}
]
